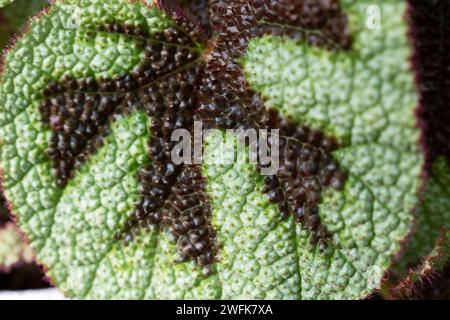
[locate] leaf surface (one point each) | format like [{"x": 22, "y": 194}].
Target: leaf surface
[
  {"x": 364, "y": 97},
  {"x": 12, "y": 249},
  {"x": 14, "y": 15},
  {"x": 432, "y": 215},
  {"x": 431, "y": 55},
  {"x": 4, "y": 3}
]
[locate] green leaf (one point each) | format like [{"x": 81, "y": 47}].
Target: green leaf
[
  {"x": 12, "y": 249},
  {"x": 429, "y": 280},
  {"x": 434, "y": 116},
  {"x": 432, "y": 215},
  {"x": 363, "y": 96},
  {"x": 4, "y": 3},
  {"x": 14, "y": 16}
]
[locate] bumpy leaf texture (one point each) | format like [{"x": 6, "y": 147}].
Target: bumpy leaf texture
[
  {"x": 431, "y": 56},
  {"x": 92, "y": 92},
  {"x": 12, "y": 250},
  {"x": 14, "y": 15}
]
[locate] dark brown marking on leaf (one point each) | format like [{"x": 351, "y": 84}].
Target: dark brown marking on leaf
[
  {"x": 292, "y": 18},
  {"x": 171, "y": 194},
  {"x": 186, "y": 19},
  {"x": 79, "y": 111},
  {"x": 78, "y": 121},
  {"x": 199, "y": 8},
  {"x": 189, "y": 215},
  {"x": 175, "y": 84},
  {"x": 171, "y": 35},
  {"x": 114, "y": 27},
  {"x": 430, "y": 29},
  {"x": 227, "y": 101}
]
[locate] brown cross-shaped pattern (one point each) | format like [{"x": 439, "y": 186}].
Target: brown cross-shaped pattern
[{"x": 190, "y": 72}]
